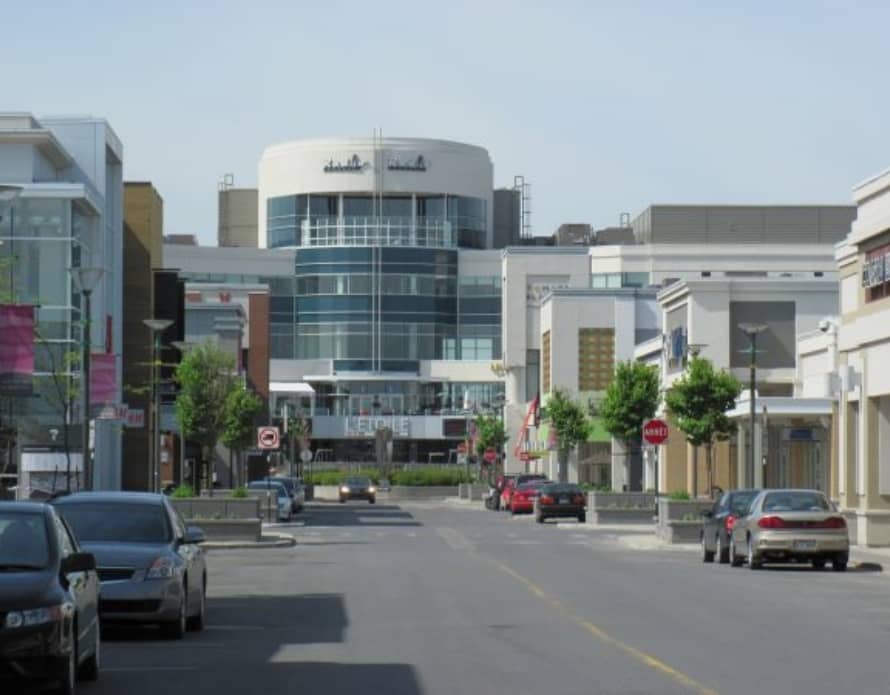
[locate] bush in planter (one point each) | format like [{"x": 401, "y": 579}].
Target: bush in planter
[
  {"x": 183, "y": 491},
  {"x": 679, "y": 496},
  {"x": 239, "y": 493},
  {"x": 429, "y": 476}
]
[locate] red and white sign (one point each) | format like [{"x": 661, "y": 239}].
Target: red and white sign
[
  {"x": 523, "y": 456},
  {"x": 267, "y": 438},
  {"x": 490, "y": 455},
  {"x": 655, "y": 432}
]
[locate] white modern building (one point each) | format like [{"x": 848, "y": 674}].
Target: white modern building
[{"x": 67, "y": 213}]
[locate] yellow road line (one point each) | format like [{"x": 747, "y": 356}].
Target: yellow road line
[{"x": 641, "y": 656}]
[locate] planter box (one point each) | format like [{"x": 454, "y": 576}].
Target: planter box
[
  {"x": 217, "y": 507},
  {"x": 637, "y": 508},
  {"x": 231, "y": 529},
  {"x": 398, "y": 492},
  {"x": 679, "y": 521}
]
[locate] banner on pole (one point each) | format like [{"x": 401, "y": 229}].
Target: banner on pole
[
  {"x": 103, "y": 379},
  {"x": 16, "y": 349}
]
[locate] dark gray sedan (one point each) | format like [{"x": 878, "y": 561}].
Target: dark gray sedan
[
  {"x": 718, "y": 523},
  {"x": 151, "y": 566}
]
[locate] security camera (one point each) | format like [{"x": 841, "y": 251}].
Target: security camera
[{"x": 824, "y": 325}]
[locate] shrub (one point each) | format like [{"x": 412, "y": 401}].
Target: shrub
[
  {"x": 239, "y": 493},
  {"x": 429, "y": 475},
  {"x": 183, "y": 491},
  {"x": 679, "y": 496}
]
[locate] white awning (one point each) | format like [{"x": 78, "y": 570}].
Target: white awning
[
  {"x": 300, "y": 387},
  {"x": 777, "y": 406}
]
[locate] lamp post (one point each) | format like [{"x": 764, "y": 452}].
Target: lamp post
[
  {"x": 86, "y": 279},
  {"x": 752, "y": 330},
  {"x": 8, "y": 194},
  {"x": 183, "y": 346},
  {"x": 156, "y": 327},
  {"x": 695, "y": 349}
]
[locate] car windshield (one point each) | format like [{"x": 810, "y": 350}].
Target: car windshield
[
  {"x": 117, "y": 523},
  {"x": 358, "y": 482},
  {"x": 23, "y": 541},
  {"x": 795, "y": 502}
]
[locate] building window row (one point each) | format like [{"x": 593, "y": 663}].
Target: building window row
[
  {"x": 610, "y": 281},
  {"x": 876, "y": 273}
]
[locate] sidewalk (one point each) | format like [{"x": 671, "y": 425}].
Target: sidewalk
[{"x": 272, "y": 540}]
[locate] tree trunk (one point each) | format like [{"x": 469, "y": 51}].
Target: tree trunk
[
  {"x": 563, "y": 465},
  {"x": 710, "y": 464},
  {"x": 694, "y": 471}
]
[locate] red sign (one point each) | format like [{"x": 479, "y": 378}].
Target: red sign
[
  {"x": 655, "y": 431},
  {"x": 490, "y": 455},
  {"x": 523, "y": 456},
  {"x": 267, "y": 438}
]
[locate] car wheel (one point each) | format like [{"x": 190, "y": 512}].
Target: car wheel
[
  {"x": 195, "y": 622},
  {"x": 722, "y": 553},
  {"x": 372, "y": 500},
  {"x": 818, "y": 563},
  {"x": 175, "y": 629},
  {"x": 540, "y": 518},
  {"x": 839, "y": 563},
  {"x": 89, "y": 670},
  {"x": 342, "y": 501},
  {"x": 734, "y": 558},
  {"x": 582, "y": 518},
  {"x": 754, "y": 562},
  {"x": 706, "y": 555}
]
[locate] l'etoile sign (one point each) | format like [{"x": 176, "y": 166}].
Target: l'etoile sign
[{"x": 353, "y": 164}]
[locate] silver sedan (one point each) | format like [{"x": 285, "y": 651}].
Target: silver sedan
[{"x": 790, "y": 526}]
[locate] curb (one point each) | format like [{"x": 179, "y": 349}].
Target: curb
[{"x": 275, "y": 541}]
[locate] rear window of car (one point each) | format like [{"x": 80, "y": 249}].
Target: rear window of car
[
  {"x": 529, "y": 478},
  {"x": 795, "y": 502},
  {"x": 23, "y": 540},
  {"x": 117, "y": 523},
  {"x": 561, "y": 489},
  {"x": 531, "y": 484}
]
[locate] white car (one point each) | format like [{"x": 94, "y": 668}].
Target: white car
[{"x": 285, "y": 503}]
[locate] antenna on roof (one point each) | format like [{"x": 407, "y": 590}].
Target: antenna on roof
[{"x": 227, "y": 182}]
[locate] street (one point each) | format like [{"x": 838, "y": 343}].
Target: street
[{"x": 433, "y": 598}]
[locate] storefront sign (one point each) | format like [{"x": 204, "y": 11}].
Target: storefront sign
[
  {"x": 396, "y": 164},
  {"x": 368, "y": 426},
  {"x": 354, "y": 163}
]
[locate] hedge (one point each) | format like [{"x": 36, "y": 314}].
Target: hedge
[{"x": 426, "y": 476}]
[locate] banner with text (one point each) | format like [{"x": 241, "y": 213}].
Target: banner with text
[{"x": 16, "y": 349}]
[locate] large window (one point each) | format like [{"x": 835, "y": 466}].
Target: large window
[
  {"x": 596, "y": 358},
  {"x": 284, "y": 219}
]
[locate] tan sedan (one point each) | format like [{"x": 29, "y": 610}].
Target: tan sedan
[{"x": 790, "y": 526}]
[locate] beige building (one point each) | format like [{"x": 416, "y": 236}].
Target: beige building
[
  {"x": 864, "y": 373},
  {"x": 237, "y": 217}
]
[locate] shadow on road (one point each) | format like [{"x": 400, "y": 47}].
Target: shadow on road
[{"x": 357, "y": 514}]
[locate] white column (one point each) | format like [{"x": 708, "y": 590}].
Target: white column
[
  {"x": 619, "y": 465},
  {"x": 758, "y": 454},
  {"x": 742, "y": 458},
  {"x": 649, "y": 468}
]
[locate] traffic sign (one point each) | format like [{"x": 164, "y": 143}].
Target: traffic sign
[
  {"x": 306, "y": 455},
  {"x": 655, "y": 431},
  {"x": 267, "y": 438},
  {"x": 490, "y": 454},
  {"x": 523, "y": 456}
]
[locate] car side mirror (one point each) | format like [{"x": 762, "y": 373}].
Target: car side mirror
[
  {"x": 78, "y": 562},
  {"x": 193, "y": 536}
]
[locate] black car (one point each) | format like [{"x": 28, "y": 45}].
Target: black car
[
  {"x": 560, "y": 500},
  {"x": 718, "y": 523},
  {"x": 49, "y": 600},
  {"x": 356, "y": 488}
]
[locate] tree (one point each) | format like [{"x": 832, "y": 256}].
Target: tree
[
  {"x": 697, "y": 404},
  {"x": 568, "y": 420},
  {"x": 206, "y": 376},
  {"x": 239, "y": 421},
  {"x": 490, "y": 433}
]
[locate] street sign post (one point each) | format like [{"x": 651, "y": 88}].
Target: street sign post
[
  {"x": 306, "y": 456},
  {"x": 655, "y": 432},
  {"x": 268, "y": 438}
]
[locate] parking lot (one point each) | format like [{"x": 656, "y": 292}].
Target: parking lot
[{"x": 436, "y": 598}]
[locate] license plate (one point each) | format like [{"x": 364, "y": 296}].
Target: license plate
[
  {"x": 804, "y": 545},
  {"x": 563, "y": 500}
]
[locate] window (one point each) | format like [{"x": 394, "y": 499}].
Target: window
[
  {"x": 66, "y": 545},
  {"x": 876, "y": 273},
  {"x": 545, "y": 358},
  {"x": 357, "y": 206},
  {"x": 596, "y": 358}
]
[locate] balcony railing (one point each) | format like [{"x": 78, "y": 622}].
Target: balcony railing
[{"x": 384, "y": 231}]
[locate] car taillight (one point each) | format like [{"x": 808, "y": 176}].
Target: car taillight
[
  {"x": 578, "y": 499},
  {"x": 729, "y": 523},
  {"x": 546, "y": 499},
  {"x": 835, "y": 522},
  {"x": 771, "y": 522}
]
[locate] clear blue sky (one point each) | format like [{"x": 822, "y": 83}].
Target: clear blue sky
[{"x": 605, "y": 107}]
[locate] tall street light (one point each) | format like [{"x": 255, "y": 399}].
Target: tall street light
[
  {"x": 752, "y": 330},
  {"x": 86, "y": 279},
  {"x": 156, "y": 326},
  {"x": 183, "y": 346}
]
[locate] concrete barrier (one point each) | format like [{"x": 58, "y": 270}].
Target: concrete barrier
[
  {"x": 268, "y": 509},
  {"x": 679, "y": 521},
  {"x": 637, "y": 508},
  {"x": 396, "y": 493},
  {"x": 217, "y": 507},
  {"x": 472, "y": 491},
  {"x": 231, "y": 529}
]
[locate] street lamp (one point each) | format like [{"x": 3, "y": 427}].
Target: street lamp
[
  {"x": 86, "y": 279},
  {"x": 183, "y": 346},
  {"x": 752, "y": 330},
  {"x": 156, "y": 327}
]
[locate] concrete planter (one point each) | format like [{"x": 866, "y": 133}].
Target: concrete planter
[
  {"x": 398, "y": 492},
  {"x": 231, "y": 529},
  {"x": 217, "y": 507},
  {"x": 679, "y": 521},
  {"x": 636, "y": 508},
  {"x": 472, "y": 491}
]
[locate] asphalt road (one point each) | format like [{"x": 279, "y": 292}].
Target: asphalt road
[{"x": 437, "y": 599}]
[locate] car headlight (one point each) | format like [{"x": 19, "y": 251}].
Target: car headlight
[
  {"x": 162, "y": 568},
  {"x": 30, "y": 618},
  {"x": 344, "y": 489},
  {"x": 372, "y": 489}
]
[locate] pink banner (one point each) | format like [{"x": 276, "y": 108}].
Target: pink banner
[
  {"x": 103, "y": 379},
  {"x": 16, "y": 339}
]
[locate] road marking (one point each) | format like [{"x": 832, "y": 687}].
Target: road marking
[{"x": 641, "y": 656}]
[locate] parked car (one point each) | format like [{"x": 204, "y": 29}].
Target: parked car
[
  {"x": 523, "y": 499},
  {"x": 512, "y": 482},
  {"x": 282, "y": 496},
  {"x": 294, "y": 488},
  {"x": 49, "y": 600},
  {"x": 560, "y": 500},
  {"x": 718, "y": 523},
  {"x": 358, "y": 488},
  {"x": 790, "y": 525},
  {"x": 151, "y": 565}
]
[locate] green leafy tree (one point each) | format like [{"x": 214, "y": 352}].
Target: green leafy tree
[
  {"x": 697, "y": 404},
  {"x": 242, "y": 407},
  {"x": 490, "y": 433},
  {"x": 206, "y": 376},
  {"x": 571, "y": 427}
]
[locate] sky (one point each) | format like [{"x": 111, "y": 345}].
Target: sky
[{"x": 604, "y": 107}]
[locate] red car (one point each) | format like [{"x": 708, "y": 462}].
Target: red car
[
  {"x": 513, "y": 483},
  {"x": 523, "y": 499}
]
